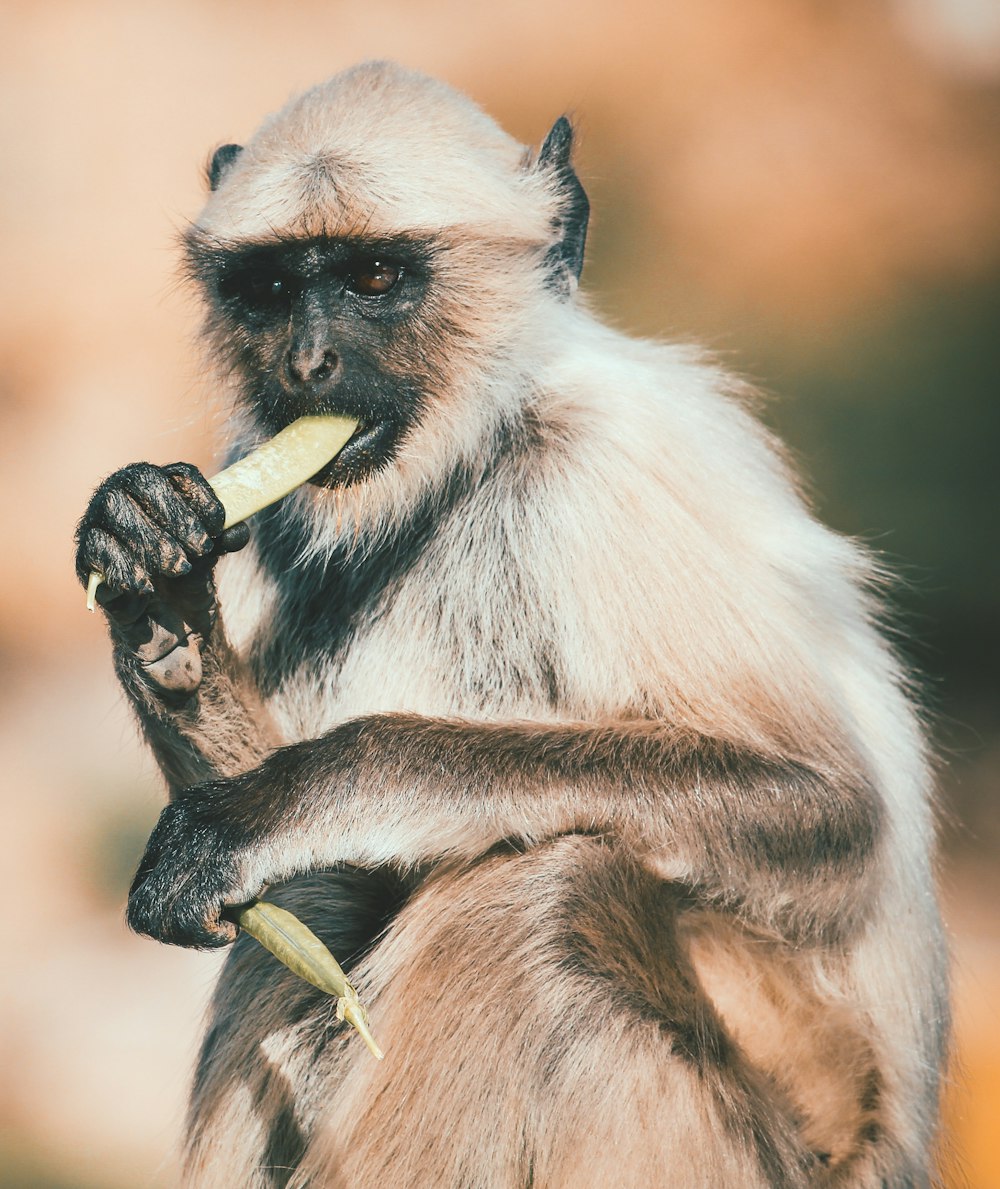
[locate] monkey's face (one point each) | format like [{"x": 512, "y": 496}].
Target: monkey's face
[
  {"x": 382, "y": 249},
  {"x": 326, "y": 325}
]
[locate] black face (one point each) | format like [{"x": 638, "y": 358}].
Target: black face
[{"x": 325, "y": 326}]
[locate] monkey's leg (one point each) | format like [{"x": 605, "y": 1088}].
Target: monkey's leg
[
  {"x": 255, "y": 1098},
  {"x": 542, "y": 1027}
]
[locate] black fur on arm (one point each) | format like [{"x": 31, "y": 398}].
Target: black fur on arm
[{"x": 784, "y": 846}]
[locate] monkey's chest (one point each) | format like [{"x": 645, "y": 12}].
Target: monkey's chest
[{"x": 419, "y": 652}]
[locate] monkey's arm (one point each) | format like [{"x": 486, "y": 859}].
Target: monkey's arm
[
  {"x": 783, "y": 845},
  {"x": 219, "y": 728},
  {"x": 155, "y": 533}
]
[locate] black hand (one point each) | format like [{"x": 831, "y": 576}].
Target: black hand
[
  {"x": 147, "y": 522},
  {"x": 195, "y": 866},
  {"x": 155, "y": 533}
]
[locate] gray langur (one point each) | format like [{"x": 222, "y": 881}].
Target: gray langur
[{"x": 549, "y": 704}]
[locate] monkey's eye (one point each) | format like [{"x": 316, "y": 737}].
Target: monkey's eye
[
  {"x": 373, "y": 278},
  {"x": 265, "y": 289},
  {"x": 258, "y": 289}
]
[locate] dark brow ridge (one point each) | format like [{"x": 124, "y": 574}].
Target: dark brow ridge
[{"x": 202, "y": 249}]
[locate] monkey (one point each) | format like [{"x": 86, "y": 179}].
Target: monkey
[{"x": 548, "y": 704}]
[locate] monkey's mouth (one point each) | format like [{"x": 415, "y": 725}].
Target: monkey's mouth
[{"x": 369, "y": 448}]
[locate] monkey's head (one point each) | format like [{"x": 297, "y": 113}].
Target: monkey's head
[{"x": 382, "y": 248}]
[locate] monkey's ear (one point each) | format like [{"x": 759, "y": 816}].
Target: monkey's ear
[
  {"x": 566, "y": 256},
  {"x": 222, "y": 159}
]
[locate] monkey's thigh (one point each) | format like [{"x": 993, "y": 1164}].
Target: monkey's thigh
[
  {"x": 541, "y": 1026},
  {"x": 272, "y": 1040}
]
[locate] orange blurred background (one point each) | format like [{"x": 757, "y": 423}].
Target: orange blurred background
[{"x": 810, "y": 187}]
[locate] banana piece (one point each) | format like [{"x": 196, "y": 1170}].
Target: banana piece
[{"x": 304, "y": 954}]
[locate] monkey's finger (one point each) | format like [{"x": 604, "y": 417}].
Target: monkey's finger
[
  {"x": 101, "y": 551},
  {"x": 233, "y": 538},
  {"x": 176, "y": 914},
  {"x": 189, "y": 482},
  {"x": 153, "y": 490},
  {"x": 155, "y": 547}
]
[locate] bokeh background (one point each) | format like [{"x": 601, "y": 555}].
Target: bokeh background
[{"x": 809, "y": 187}]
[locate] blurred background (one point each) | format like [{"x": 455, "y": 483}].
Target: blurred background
[{"x": 809, "y": 187}]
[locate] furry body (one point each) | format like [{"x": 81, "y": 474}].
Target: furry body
[{"x": 614, "y": 797}]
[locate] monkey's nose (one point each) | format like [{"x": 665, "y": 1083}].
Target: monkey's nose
[{"x": 309, "y": 366}]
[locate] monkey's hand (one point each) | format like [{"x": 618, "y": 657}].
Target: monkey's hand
[
  {"x": 197, "y": 864},
  {"x": 154, "y": 534}
]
